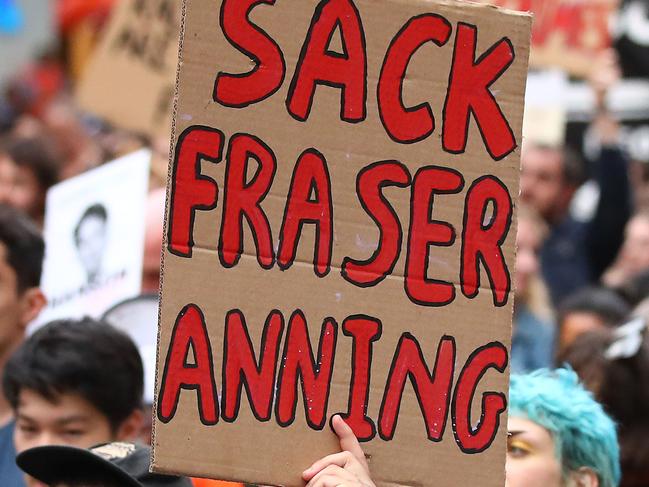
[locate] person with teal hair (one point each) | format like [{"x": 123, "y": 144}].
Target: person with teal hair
[{"x": 559, "y": 436}]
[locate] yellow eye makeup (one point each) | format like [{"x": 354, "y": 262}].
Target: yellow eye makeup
[{"x": 517, "y": 444}]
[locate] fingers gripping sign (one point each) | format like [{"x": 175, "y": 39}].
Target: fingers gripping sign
[{"x": 348, "y": 468}]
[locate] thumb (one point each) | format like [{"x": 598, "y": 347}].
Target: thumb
[{"x": 347, "y": 438}]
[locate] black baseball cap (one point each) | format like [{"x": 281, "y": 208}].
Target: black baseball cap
[{"x": 123, "y": 464}]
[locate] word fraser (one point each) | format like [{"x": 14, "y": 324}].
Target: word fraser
[{"x": 309, "y": 202}]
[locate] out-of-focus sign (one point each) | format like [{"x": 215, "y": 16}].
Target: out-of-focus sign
[
  {"x": 566, "y": 33},
  {"x": 94, "y": 237},
  {"x": 130, "y": 79}
]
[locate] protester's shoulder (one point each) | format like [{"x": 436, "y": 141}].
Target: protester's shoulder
[
  {"x": 532, "y": 324},
  {"x": 6, "y": 436},
  {"x": 10, "y": 474}
]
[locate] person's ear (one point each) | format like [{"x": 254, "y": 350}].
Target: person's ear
[
  {"x": 583, "y": 477},
  {"x": 32, "y": 302},
  {"x": 131, "y": 427}
]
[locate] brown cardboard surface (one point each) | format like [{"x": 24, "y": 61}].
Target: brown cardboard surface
[
  {"x": 189, "y": 436},
  {"x": 130, "y": 79}
]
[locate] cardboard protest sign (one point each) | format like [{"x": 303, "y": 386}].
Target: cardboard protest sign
[
  {"x": 566, "y": 33},
  {"x": 339, "y": 239},
  {"x": 94, "y": 238},
  {"x": 130, "y": 79}
]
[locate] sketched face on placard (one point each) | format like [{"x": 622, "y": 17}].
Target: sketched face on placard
[{"x": 90, "y": 240}]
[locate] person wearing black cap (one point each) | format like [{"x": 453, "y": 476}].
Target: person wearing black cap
[
  {"x": 127, "y": 465},
  {"x": 77, "y": 383},
  {"x": 108, "y": 465}
]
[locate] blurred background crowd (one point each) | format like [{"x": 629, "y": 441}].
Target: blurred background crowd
[{"x": 582, "y": 274}]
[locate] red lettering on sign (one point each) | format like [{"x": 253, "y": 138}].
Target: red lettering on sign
[
  {"x": 191, "y": 190},
  {"x": 315, "y": 376},
  {"x": 271, "y": 384},
  {"x": 424, "y": 232},
  {"x": 182, "y": 372},
  {"x": 478, "y": 439},
  {"x": 369, "y": 185},
  {"x": 433, "y": 390},
  {"x": 482, "y": 240},
  {"x": 319, "y": 65},
  {"x": 242, "y": 199},
  {"x": 469, "y": 93},
  {"x": 309, "y": 201},
  {"x": 364, "y": 330},
  {"x": 408, "y": 125},
  {"x": 241, "y": 90},
  {"x": 240, "y": 367}
]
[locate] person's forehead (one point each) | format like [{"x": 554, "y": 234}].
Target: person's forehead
[
  {"x": 519, "y": 425},
  {"x": 542, "y": 158},
  {"x": 61, "y": 407}
]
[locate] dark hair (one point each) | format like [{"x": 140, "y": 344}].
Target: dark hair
[
  {"x": 38, "y": 154},
  {"x": 621, "y": 385},
  {"x": 87, "y": 357},
  {"x": 605, "y": 303},
  {"x": 97, "y": 210},
  {"x": 25, "y": 246},
  {"x": 636, "y": 288}
]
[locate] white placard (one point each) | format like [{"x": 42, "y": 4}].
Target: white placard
[{"x": 94, "y": 237}]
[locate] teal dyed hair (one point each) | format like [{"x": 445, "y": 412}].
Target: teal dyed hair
[{"x": 584, "y": 435}]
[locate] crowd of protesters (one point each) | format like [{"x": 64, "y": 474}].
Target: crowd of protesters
[
  {"x": 582, "y": 274},
  {"x": 582, "y": 301}
]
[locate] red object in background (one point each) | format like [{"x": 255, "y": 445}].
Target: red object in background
[
  {"x": 214, "y": 483},
  {"x": 71, "y": 12},
  {"x": 32, "y": 90},
  {"x": 566, "y": 34},
  {"x": 582, "y": 23}
]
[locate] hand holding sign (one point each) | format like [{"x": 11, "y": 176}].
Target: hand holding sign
[{"x": 348, "y": 468}]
